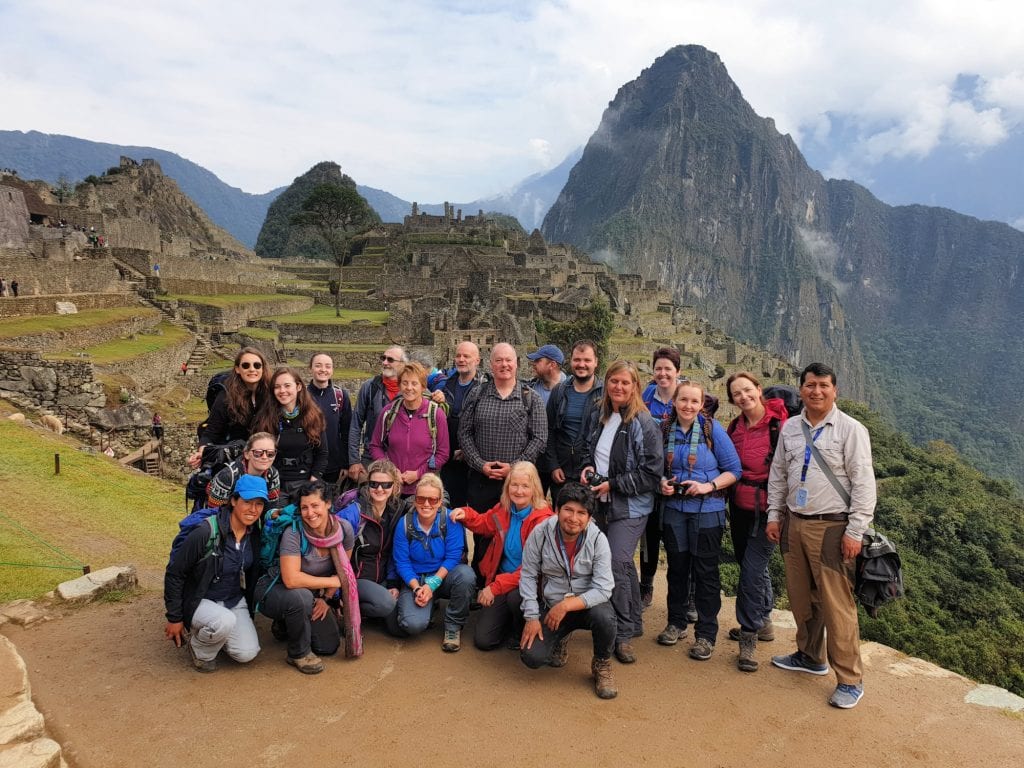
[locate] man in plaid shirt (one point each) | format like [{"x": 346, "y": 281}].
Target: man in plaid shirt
[{"x": 502, "y": 422}]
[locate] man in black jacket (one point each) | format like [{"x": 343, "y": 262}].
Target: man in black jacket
[{"x": 454, "y": 392}]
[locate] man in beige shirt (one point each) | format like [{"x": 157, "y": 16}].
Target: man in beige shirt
[{"x": 820, "y": 529}]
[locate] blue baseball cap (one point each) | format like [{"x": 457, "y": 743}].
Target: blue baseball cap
[
  {"x": 550, "y": 351},
  {"x": 250, "y": 487}
]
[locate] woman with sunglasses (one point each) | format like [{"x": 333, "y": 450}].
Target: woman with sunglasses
[
  {"x": 427, "y": 558},
  {"x": 412, "y": 431},
  {"x": 506, "y": 526},
  {"x": 257, "y": 459},
  {"x": 298, "y": 422},
  {"x": 379, "y": 507},
  {"x": 235, "y": 410},
  {"x": 622, "y": 467}
]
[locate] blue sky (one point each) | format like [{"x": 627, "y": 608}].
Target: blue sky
[{"x": 457, "y": 100}]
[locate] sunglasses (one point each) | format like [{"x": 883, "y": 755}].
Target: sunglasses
[
  {"x": 247, "y": 365},
  {"x": 428, "y": 501},
  {"x": 387, "y": 485},
  {"x": 387, "y": 359},
  {"x": 259, "y": 453}
]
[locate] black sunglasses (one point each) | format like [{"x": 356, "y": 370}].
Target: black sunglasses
[
  {"x": 387, "y": 359},
  {"x": 247, "y": 365},
  {"x": 387, "y": 485}
]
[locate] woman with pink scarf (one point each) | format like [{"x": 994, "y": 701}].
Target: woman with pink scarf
[{"x": 314, "y": 594}]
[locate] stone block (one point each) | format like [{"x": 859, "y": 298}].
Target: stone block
[
  {"x": 41, "y": 753},
  {"x": 992, "y": 696},
  {"x": 23, "y": 612},
  {"x": 66, "y": 308},
  {"x": 93, "y": 585},
  {"x": 21, "y": 722}
]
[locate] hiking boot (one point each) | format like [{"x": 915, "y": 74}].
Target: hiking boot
[
  {"x": 798, "y": 661},
  {"x": 279, "y": 630},
  {"x": 748, "y": 644},
  {"x": 200, "y": 664},
  {"x": 702, "y": 649},
  {"x": 624, "y": 653},
  {"x": 646, "y": 596},
  {"x": 310, "y": 664},
  {"x": 765, "y": 634},
  {"x": 604, "y": 683},
  {"x": 452, "y": 640},
  {"x": 671, "y": 635},
  {"x": 846, "y": 696},
  {"x": 560, "y": 653},
  {"x": 691, "y": 612}
]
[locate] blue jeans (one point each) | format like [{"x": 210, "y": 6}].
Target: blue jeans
[
  {"x": 375, "y": 602},
  {"x": 754, "y": 596},
  {"x": 458, "y": 587}
]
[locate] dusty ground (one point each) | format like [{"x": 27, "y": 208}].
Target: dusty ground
[{"x": 115, "y": 693}]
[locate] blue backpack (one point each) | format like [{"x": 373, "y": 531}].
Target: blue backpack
[
  {"x": 276, "y": 522},
  {"x": 191, "y": 521}
]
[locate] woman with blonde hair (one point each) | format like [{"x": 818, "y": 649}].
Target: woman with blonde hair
[
  {"x": 506, "y": 525},
  {"x": 623, "y": 468}
]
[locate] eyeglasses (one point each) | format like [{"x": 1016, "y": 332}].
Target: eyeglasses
[
  {"x": 387, "y": 485},
  {"x": 259, "y": 453},
  {"x": 428, "y": 501},
  {"x": 389, "y": 359},
  {"x": 247, "y": 365}
]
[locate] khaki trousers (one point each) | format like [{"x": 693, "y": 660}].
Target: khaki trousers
[{"x": 820, "y": 587}]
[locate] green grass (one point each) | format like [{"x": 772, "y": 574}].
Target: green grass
[
  {"x": 90, "y": 318},
  {"x": 264, "y": 334},
  {"x": 94, "y": 511},
  {"x": 232, "y": 300},
  {"x": 127, "y": 349},
  {"x": 339, "y": 347},
  {"x": 324, "y": 315}
]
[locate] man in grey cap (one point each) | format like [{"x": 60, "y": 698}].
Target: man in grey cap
[{"x": 547, "y": 370}]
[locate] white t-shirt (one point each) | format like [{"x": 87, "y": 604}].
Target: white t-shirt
[{"x": 603, "y": 449}]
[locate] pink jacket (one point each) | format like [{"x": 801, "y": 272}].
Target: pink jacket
[{"x": 408, "y": 442}]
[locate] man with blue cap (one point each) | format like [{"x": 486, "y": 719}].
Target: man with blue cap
[{"x": 547, "y": 370}]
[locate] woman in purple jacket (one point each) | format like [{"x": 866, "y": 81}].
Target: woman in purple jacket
[{"x": 412, "y": 432}]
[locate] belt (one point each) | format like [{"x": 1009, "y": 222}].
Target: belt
[{"x": 835, "y": 517}]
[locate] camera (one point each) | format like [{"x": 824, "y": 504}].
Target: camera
[
  {"x": 678, "y": 488},
  {"x": 593, "y": 479}
]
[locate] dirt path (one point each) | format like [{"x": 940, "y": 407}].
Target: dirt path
[{"x": 114, "y": 693}]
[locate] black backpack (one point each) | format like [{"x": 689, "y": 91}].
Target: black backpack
[
  {"x": 790, "y": 396},
  {"x": 879, "y": 573}
]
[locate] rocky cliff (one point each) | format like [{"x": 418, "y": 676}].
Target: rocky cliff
[{"x": 684, "y": 183}]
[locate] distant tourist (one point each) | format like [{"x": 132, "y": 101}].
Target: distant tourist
[
  {"x": 184, "y": 368},
  {"x": 547, "y": 370},
  {"x": 822, "y": 528},
  {"x": 158, "y": 427},
  {"x": 3, "y": 287},
  {"x": 557, "y": 600},
  {"x": 454, "y": 392},
  {"x": 336, "y": 405},
  {"x": 373, "y": 397},
  {"x": 14, "y": 288}
]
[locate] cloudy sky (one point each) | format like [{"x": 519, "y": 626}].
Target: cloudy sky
[{"x": 452, "y": 99}]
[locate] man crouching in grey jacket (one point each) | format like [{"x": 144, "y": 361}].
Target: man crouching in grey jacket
[{"x": 570, "y": 557}]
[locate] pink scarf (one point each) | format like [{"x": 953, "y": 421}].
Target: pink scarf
[{"x": 350, "y": 618}]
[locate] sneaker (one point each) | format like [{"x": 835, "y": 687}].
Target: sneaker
[
  {"x": 624, "y": 653},
  {"x": 765, "y": 634},
  {"x": 560, "y": 653},
  {"x": 200, "y": 664},
  {"x": 798, "y": 661},
  {"x": 604, "y": 684},
  {"x": 846, "y": 696},
  {"x": 452, "y": 640},
  {"x": 646, "y": 596},
  {"x": 671, "y": 635},
  {"x": 702, "y": 649},
  {"x": 310, "y": 664}
]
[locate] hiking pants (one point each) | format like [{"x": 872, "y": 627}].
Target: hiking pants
[
  {"x": 820, "y": 587},
  {"x": 623, "y": 537},
  {"x": 650, "y": 546},
  {"x": 458, "y": 588},
  {"x": 214, "y": 627},
  {"x": 599, "y": 620},
  {"x": 294, "y": 607},
  {"x": 754, "y": 596},
  {"x": 689, "y": 548},
  {"x": 375, "y": 602},
  {"x": 499, "y": 621}
]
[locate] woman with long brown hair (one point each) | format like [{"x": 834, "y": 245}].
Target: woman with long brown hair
[{"x": 297, "y": 421}]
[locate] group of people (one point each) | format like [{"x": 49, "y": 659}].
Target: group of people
[
  {"x": 8, "y": 289},
  {"x": 387, "y": 485}
]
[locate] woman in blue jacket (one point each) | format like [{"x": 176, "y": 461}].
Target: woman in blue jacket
[
  {"x": 427, "y": 558},
  {"x": 700, "y": 463}
]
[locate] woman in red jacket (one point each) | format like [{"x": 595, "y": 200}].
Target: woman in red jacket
[
  {"x": 507, "y": 524},
  {"x": 755, "y": 433}
]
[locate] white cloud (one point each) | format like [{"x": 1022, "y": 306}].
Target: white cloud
[{"x": 451, "y": 99}]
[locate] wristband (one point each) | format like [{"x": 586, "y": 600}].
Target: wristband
[{"x": 433, "y": 582}]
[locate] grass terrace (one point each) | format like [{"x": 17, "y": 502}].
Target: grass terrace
[
  {"x": 263, "y": 334},
  {"x": 13, "y": 327},
  {"x": 324, "y": 315},
  {"x": 128, "y": 348},
  {"x": 225, "y": 301}
]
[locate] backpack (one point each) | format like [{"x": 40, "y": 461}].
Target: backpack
[
  {"x": 879, "y": 573},
  {"x": 215, "y": 458},
  {"x": 790, "y": 396},
  {"x": 276, "y": 522},
  {"x": 214, "y": 387},
  {"x": 191, "y": 521},
  {"x": 670, "y": 424},
  {"x": 389, "y": 419},
  {"x": 410, "y": 520}
]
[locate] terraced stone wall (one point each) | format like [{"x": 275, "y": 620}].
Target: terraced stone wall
[
  {"x": 75, "y": 339},
  {"x": 64, "y": 387},
  {"x": 155, "y": 369},
  {"x": 236, "y": 317},
  {"x": 37, "y": 275},
  {"x": 47, "y": 305}
]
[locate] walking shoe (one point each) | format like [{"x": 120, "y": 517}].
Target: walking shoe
[
  {"x": 279, "y": 630},
  {"x": 200, "y": 664},
  {"x": 671, "y": 635},
  {"x": 604, "y": 683},
  {"x": 846, "y": 696},
  {"x": 765, "y": 634},
  {"x": 748, "y": 644},
  {"x": 624, "y": 653},
  {"x": 560, "y": 653},
  {"x": 310, "y": 664},
  {"x": 798, "y": 661},
  {"x": 452, "y": 640},
  {"x": 702, "y": 649},
  {"x": 646, "y": 595},
  {"x": 691, "y": 612}
]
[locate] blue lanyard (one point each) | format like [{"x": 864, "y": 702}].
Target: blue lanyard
[
  {"x": 807, "y": 455},
  {"x": 565, "y": 555},
  {"x": 694, "y": 441}
]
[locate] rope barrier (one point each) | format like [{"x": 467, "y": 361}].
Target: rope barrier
[{"x": 79, "y": 566}]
